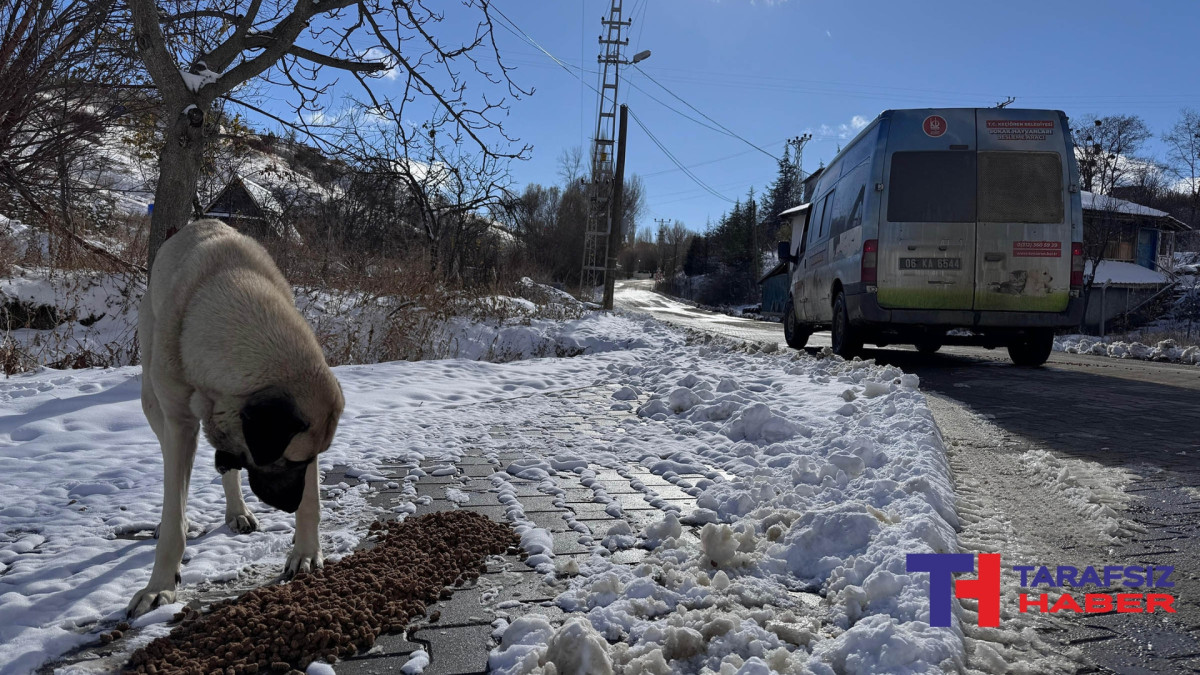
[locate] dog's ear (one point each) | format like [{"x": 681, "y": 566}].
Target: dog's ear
[{"x": 270, "y": 419}]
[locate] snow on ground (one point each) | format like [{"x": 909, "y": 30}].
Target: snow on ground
[
  {"x": 1164, "y": 350},
  {"x": 1126, "y": 273},
  {"x": 819, "y": 476}
]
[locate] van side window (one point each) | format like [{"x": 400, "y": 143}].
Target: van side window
[
  {"x": 847, "y": 209},
  {"x": 814, "y": 223},
  {"x": 826, "y": 215}
]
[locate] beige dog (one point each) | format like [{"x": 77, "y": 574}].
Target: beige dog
[{"x": 224, "y": 349}]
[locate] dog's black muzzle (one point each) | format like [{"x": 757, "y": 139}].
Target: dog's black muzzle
[{"x": 279, "y": 484}]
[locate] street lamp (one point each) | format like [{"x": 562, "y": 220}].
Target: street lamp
[{"x": 640, "y": 56}]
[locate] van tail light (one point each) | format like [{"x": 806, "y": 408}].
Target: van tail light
[
  {"x": 870, "y": 260},
  {"x": 1077, "y": 264}
]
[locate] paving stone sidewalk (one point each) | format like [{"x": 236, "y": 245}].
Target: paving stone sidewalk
[{"x": 458, "y": 633}]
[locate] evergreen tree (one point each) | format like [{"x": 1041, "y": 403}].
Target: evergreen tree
[{"x": 785, "y": 192}]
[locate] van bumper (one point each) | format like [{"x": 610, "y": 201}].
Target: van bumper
[{"x": 864, "y": 308}]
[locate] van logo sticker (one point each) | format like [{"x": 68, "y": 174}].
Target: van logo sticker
[
  {"x": 934, "y": 126},
  {"x": 1020, "y": 130},
  {"x": 1037, "y": 249}
]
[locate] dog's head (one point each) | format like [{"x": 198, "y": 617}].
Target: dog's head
[{"x": 275, "y": 433}]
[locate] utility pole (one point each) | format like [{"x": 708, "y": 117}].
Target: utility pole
[
  {"x": 615, "y": 215},
  {"x": 663, "y": 234},
  {"x": 1007, "y": 102},
  {"x": 799, "y": 142},
  {"x": 597, "y": 234}
]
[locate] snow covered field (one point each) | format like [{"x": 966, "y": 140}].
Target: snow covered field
[{"x": 820, "y": 475}]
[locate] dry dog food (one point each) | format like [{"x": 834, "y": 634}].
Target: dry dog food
[{"x": 336, "y": 611}]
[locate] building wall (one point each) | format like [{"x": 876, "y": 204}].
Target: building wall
[
  {"x": 1115, "y": 302},
  {"x": 774, "y": 295}
]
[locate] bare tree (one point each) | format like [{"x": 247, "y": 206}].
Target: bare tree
[
  {"x": 1106, "y": 146},
  {"x": 445, "y": 185},
  {"x": 59, "y": 63},
  {"x": 570, "y": 164},
  {"x": 200, "y": 51},
  {"x": 1183, "y": 153}
]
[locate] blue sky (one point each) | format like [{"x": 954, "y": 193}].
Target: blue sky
[{"x": 771, "y": 70}]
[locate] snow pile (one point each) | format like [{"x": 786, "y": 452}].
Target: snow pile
[
  {"x": 1164, "y": 350},
  {"x": 809, "y": 506}
]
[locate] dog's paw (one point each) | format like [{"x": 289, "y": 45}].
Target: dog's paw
[
  {"x": 302, "y": 562},
  {"x": 242, "y": 523},
  {"x": 147, "y": 599}
]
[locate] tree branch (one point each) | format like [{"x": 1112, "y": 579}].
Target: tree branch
[
  {"x": 334, "y": 62},
  {"x": 219, "y": 59},
  {"x": 153, "y": 48},
  {"x": 201, "y": 13}
]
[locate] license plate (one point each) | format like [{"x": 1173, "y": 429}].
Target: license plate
[{"x": 931, "y": 263}]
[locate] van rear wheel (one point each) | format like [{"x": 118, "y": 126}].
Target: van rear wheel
[
  {"x": 847, "y": 340},
  {"x": 928, "y": 346},
  {"x": 1031, "y": 349},
  {"x": 795, "y": 334}
]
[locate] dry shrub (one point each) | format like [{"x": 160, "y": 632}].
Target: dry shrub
[
  {"x": 85, "y": 311},
  {"x": 363, "y": 308}
]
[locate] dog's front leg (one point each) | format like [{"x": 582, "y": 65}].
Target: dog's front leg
[
  {"x": 306, "y": 553},
  {"x": 179, "y": 450},
  {"x": 237, "y": 514}
]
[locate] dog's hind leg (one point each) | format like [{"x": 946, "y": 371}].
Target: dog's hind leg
[
  {"x": 306, "y": 552},
  {"x": 179, "y": 450},
  {"x": 237, "y": 514}
]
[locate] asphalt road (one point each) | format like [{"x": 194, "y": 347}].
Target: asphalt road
[{"x": 1138, "y": 416}]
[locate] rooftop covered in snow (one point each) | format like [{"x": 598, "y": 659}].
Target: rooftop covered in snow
[{"x": 1111, "y": 205}]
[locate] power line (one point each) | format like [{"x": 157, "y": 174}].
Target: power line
[
  {"x": 687, "y": 172},
  {"x": 526, "y": 37},
  {"x": 719, "y": 128},
  {"x": 727, "y": 129}
]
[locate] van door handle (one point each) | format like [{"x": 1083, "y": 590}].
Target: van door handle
[
  {"x": 993, "y": 257},
  {"x": 912, "y": 248},
  {"x": 943, "y": 247}
]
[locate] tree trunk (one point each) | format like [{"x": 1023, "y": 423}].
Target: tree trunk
[{"x": 179, "y": 172}]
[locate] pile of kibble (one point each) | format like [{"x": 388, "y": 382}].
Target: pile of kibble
[{"x": 338, "y": 610}]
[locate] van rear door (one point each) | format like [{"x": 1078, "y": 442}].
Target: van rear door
[
  {"x": 1023, "y": 239},
  {"x": 927, "y": 230}
]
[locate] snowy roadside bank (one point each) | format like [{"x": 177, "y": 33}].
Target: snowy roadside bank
[
  {"x": 82, "y": 318},
  {"x": 1164, "y": 350},
  {"x": 819, "y": 476}
]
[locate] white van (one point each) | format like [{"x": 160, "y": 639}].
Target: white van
[{"x": 940, "y": 219}]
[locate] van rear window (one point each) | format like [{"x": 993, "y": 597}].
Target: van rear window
[
  {"x": 1020, "y": 187},
  {"x": 932, "y": 187}
]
